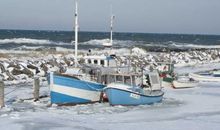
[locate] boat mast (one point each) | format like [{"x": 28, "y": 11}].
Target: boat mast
[
  {"x": 112, "y": 18},
  {"x": 76, "y": 33}
]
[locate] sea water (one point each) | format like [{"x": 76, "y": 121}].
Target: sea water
[{"x": 40, "y": 40}]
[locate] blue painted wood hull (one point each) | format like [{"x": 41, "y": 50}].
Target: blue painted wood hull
[
  {"x": 122, "y": 97},
  {"x": 69, "y": 90}
]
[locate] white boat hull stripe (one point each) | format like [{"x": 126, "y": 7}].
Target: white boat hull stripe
[{"x": 75, "y": 92}]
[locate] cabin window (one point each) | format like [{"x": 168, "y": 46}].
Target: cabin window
[
  {"x": 133, "y": 80},
  {"x": 104, "y": 79},
  {"x": 119, "y": 78},
  {"x": 111, "y": 79},
  {"x": 102, "y": 62},
  {"x": 112, "y": 63},
  {"x": 95, "y": 62},
  {"x": 127, "y": 80},
  {"x": 89, "y": 61},
  {"x": 147, "y": 79},
  {"x": 154, "y": 79}
]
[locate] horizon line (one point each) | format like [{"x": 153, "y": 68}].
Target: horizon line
[{"x": 208, "y": 34}]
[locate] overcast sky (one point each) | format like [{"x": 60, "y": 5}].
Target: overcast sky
[{"x": 150, "y": 16}]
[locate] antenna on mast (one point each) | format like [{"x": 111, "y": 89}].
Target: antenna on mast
[
  {"x": 112, "y": 18},
  {"x": 76, "y": 33}
]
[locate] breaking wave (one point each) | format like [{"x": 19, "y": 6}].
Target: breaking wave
[
  {"x": 30, "y": 41},
  {"x": 41, "y": 48},
  {"x": 173, "y": 44},
  {"x": 27, "y": 43},
  {"x": 129, "y": 43},
  {"x": 101, "y": 41},
  {"x": 93, "y": 42},
  {"x": 197, "y": 46},
  {"x": 116, "y": 43},
  {"x": 96, "y": 42}
]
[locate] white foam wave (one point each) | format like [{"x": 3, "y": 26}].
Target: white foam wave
[
  {"x": 188, "y": 45},
  {"x": 24, "y": 40},
  {"x": 101, "y": 41},
  {"x": 29, "y": 41},
  {"x": 197, "y": 46},
  {"x": 173, "y": 44},
  {"x": 28, "y": 47},
  {"x": 34, "y": 48},
  {"x": 96, "y": 42},
  {"x": 62, "y": 49},
  {"x": 129, "y": 43}
]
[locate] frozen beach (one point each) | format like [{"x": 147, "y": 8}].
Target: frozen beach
[{"x": 195, "y": 108}]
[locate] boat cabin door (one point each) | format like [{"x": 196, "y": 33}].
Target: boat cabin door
[{"x": 155, "y": 81}]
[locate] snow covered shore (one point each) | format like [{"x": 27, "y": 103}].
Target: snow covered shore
[
  {"x": 194, "y": 108},
  {"x": 22, "y": 68}
]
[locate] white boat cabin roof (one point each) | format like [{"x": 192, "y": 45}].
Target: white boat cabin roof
[
  {"x": 124, "y": 74},
  {"x": 97, "y": 57},
  {"x": 101, "y": 60}
]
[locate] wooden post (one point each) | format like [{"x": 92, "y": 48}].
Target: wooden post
[
  {"x": 36, "y": 86},
  {"x": 2, "y": 103}
]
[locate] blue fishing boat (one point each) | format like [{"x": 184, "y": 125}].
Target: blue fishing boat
[
  {"x": 126, "y": 92},
  {"x": 84, "y": 84},
  {"x": 65, "y": 89}
]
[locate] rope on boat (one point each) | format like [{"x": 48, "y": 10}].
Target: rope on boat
[
  {"x": 93, "y": 87},
  {"x": 100, "y": 90}
]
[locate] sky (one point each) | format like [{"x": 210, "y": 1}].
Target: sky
[{"x": 145, "y": 16}]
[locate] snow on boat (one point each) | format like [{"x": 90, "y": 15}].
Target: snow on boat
[
  {"x": 206, "y": 77},
  {"x": 126, "y": 92},
  {"x": 184, "y": 83}
]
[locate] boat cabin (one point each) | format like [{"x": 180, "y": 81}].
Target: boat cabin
[
  {"x": 104, "y": 61},
  {"x": 152, "y": 80},
  {"x": 129, "y": 79},
  {"x": 167, "y": 68}
]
